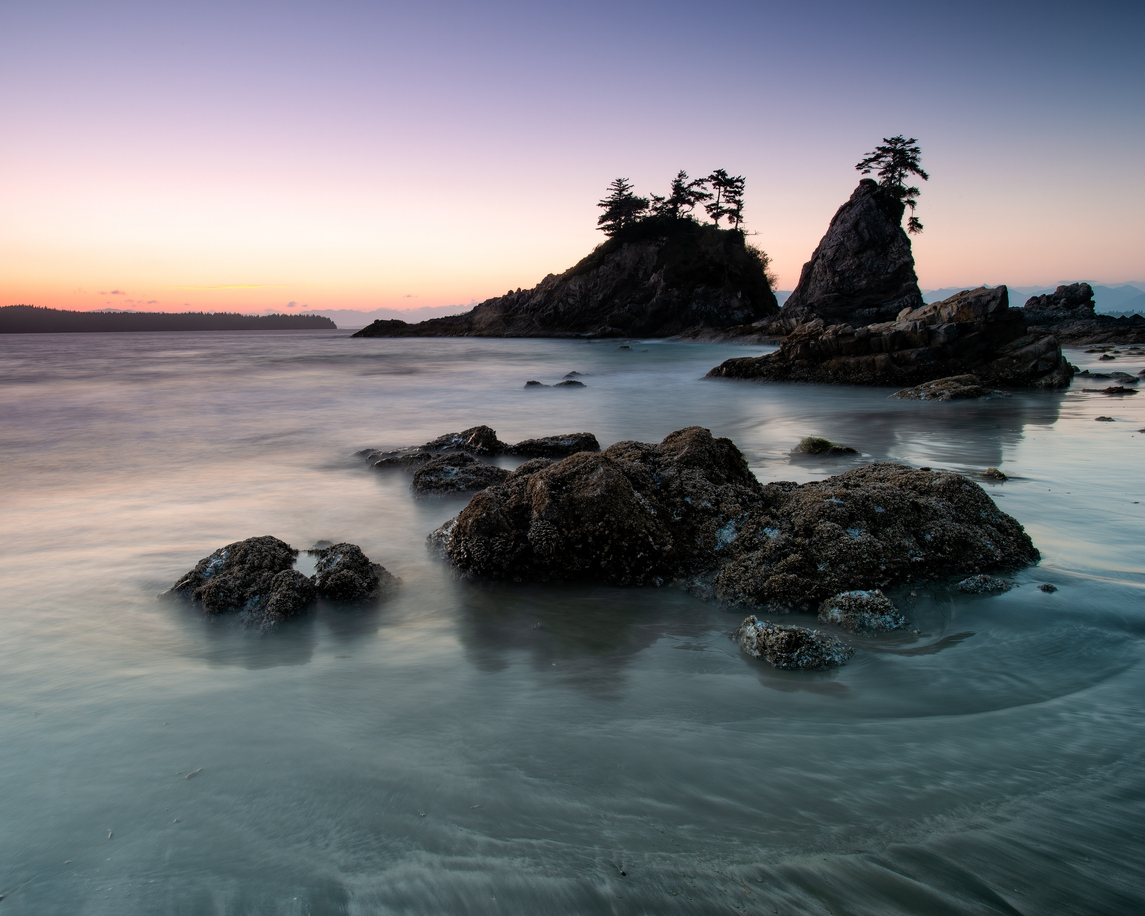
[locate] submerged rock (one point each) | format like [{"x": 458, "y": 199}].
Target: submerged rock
[
  {"x": 254, "y": 577},
  {"x": 570, "y": 383},
  {"x": 690, "y": 507},
  {"x": 456, "y": 473},
  {"x": 861, "y": 611},
  {"x": 815, "y": 445},
  {"x": 791, "y": 648},
  {"x": 344, "y": 573},
  {"x": 982, "y": 584},
  {"x": 974, "y": 332},
  {"x": 952, "y": 388}
]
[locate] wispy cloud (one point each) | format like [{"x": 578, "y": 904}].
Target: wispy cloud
[{"x": 114, "y": 292}]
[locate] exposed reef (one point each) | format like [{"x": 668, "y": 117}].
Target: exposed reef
[
  {"x": 973, "y": 332},
  {"x": 656, "y": 279}
]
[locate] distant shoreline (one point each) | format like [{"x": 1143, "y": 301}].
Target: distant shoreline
[{"x": 31, "y": 319}]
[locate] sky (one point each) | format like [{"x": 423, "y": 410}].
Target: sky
[{"x": 252, "y": 156}]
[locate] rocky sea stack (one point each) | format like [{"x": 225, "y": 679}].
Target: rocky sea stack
[
  {"x": 863, "y": 269},
  {"x": 657, "y": 278}
]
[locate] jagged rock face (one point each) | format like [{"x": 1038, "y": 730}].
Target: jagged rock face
[
  {"x": 693, "y": 277},
  {"x": 1067, "y": 303},
  {"x": 690, "y": 509},
  {"x": 863, "y": 270},
  {"x": 973, "y": 332}
]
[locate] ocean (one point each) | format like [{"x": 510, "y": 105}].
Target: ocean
[{"x": 482, "y": 748}]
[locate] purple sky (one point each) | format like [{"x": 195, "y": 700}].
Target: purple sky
[{"x": 359, "y": 155}]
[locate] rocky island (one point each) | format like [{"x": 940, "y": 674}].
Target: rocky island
[{"x": 660, "y": 273}]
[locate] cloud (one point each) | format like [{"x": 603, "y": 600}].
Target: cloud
[
  {"x": 409, "y": 296},
  {"x": 152, "y": 301},
  {"x": 291, "y": 305},
  {"x": 114, "y": 292}
]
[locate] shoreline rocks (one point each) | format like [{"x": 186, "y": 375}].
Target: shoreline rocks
[
  {"x": 689, "y": 510},
  {"x": 1070, "y": 312},
  {"x": 974, "y": 332}
]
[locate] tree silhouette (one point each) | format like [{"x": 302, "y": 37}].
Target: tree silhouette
[
  {"x": 728, "y": 197},
  {"x": 621, "y": 207},
  {"x": 896, "y": 160},
  {"x": 682, "y": 197}
]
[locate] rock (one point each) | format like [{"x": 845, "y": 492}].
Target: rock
[
  {"x": 814, "y": 445},
  {"x": 1113, "y": 389},
  {"x": 952, "y": 388},
  {"x": 982, "y": 584},
  {"x": 344, "y": 573},
  {"x": 1104, "y": 419},
  {"x": 570, "y": 383},
  {"x": 1107, "y": 356},
  {"x": 456, "y": 473},
  {"x": 973, "y": 332},
  {"x": 993, "y": 474},
  {"x": 1067, "y": 303},
  {"x": 690, "y": 509},
  {"x": 656, "y": 279},
  {"x": 530, "y": 467},
  {"x": 632, "y": 514},
  {"x": 574, "y": 374},
  {"x": 533, "y": 383},
  {"x": 863, "y": 269},
  {"x": 255, "y": 577},
  {"x": 1047, "y": 587},
  {"x": 555, "y": 446},
  {"x": 859, "y": 611},
  {"x": 1124, "y": 378},
  {"x": 477, "y": 440},
  {"x": 792, "y": 648},
  {"x": 402, "y": 459}
]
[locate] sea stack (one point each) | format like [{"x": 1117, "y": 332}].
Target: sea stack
[
  {"x": 658, "y": 278},
  {"x": 862, "y": 272}
]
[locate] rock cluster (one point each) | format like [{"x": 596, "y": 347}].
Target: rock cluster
[
  {"x": 1067, "y": 303},
  {"x": 655, "y": 280},
  {"x": 973, "y": 332},
  {"x": 953, "y": 388},
  {"x": 1069, "y": 311},
  {"x": 689, "y": 509},
  {"x": 257, "y": 578},
  {"x": 791, "y": 648},
  {"x": 448, "y": 464},
  {"x": 863, "y": 269}
]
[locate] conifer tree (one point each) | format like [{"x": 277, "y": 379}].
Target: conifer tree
[
  {"x": 896, "y": 160},
  {"x": 722, "y": 183},
  {"x": 621, "y": 207}
]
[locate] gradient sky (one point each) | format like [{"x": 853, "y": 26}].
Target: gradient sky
[{"x": 244, "y": 156}]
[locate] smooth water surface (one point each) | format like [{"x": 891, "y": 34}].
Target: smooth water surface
[{"x": 468, "y": 748}]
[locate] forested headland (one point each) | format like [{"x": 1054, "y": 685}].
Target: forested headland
[{"x": 32, "y": 319}]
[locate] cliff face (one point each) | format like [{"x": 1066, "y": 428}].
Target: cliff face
[
  {"x": 863, "y": 270},
  {"x": 656, "y": 280}
]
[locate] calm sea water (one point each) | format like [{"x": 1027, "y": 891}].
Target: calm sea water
[{"x": 467, "y": 748}]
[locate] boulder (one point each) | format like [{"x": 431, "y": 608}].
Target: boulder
[
  {"x": 690, "y": 509},
  {"x": 791, "y": 648},
  {"x": 456, "y": 473},
  {"x": 863, "y": 269},
  {"x": 570, "y": 383},
  {"x": 816, "y": 445},
  {"x": 255, "y": 577},
  {"x": 1067, "y": 303},
  {"x": 344, "y": 573},
  {"x": 477, "y": 440},
  {"x": 973, "y": 332},
  {"x": 953, "y": 388},
  {"x": 861, "y": 611},
  {"x": 982, "y": 584},
  {"x": 655, "y": 279},
  {"x": 555, "y": 446}
]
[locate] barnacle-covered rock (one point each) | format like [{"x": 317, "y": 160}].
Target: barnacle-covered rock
[
  {"x": 792, "y": 648},
  {"x": 860, "y": 611},
  {"x": 344, "y": 573}
]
